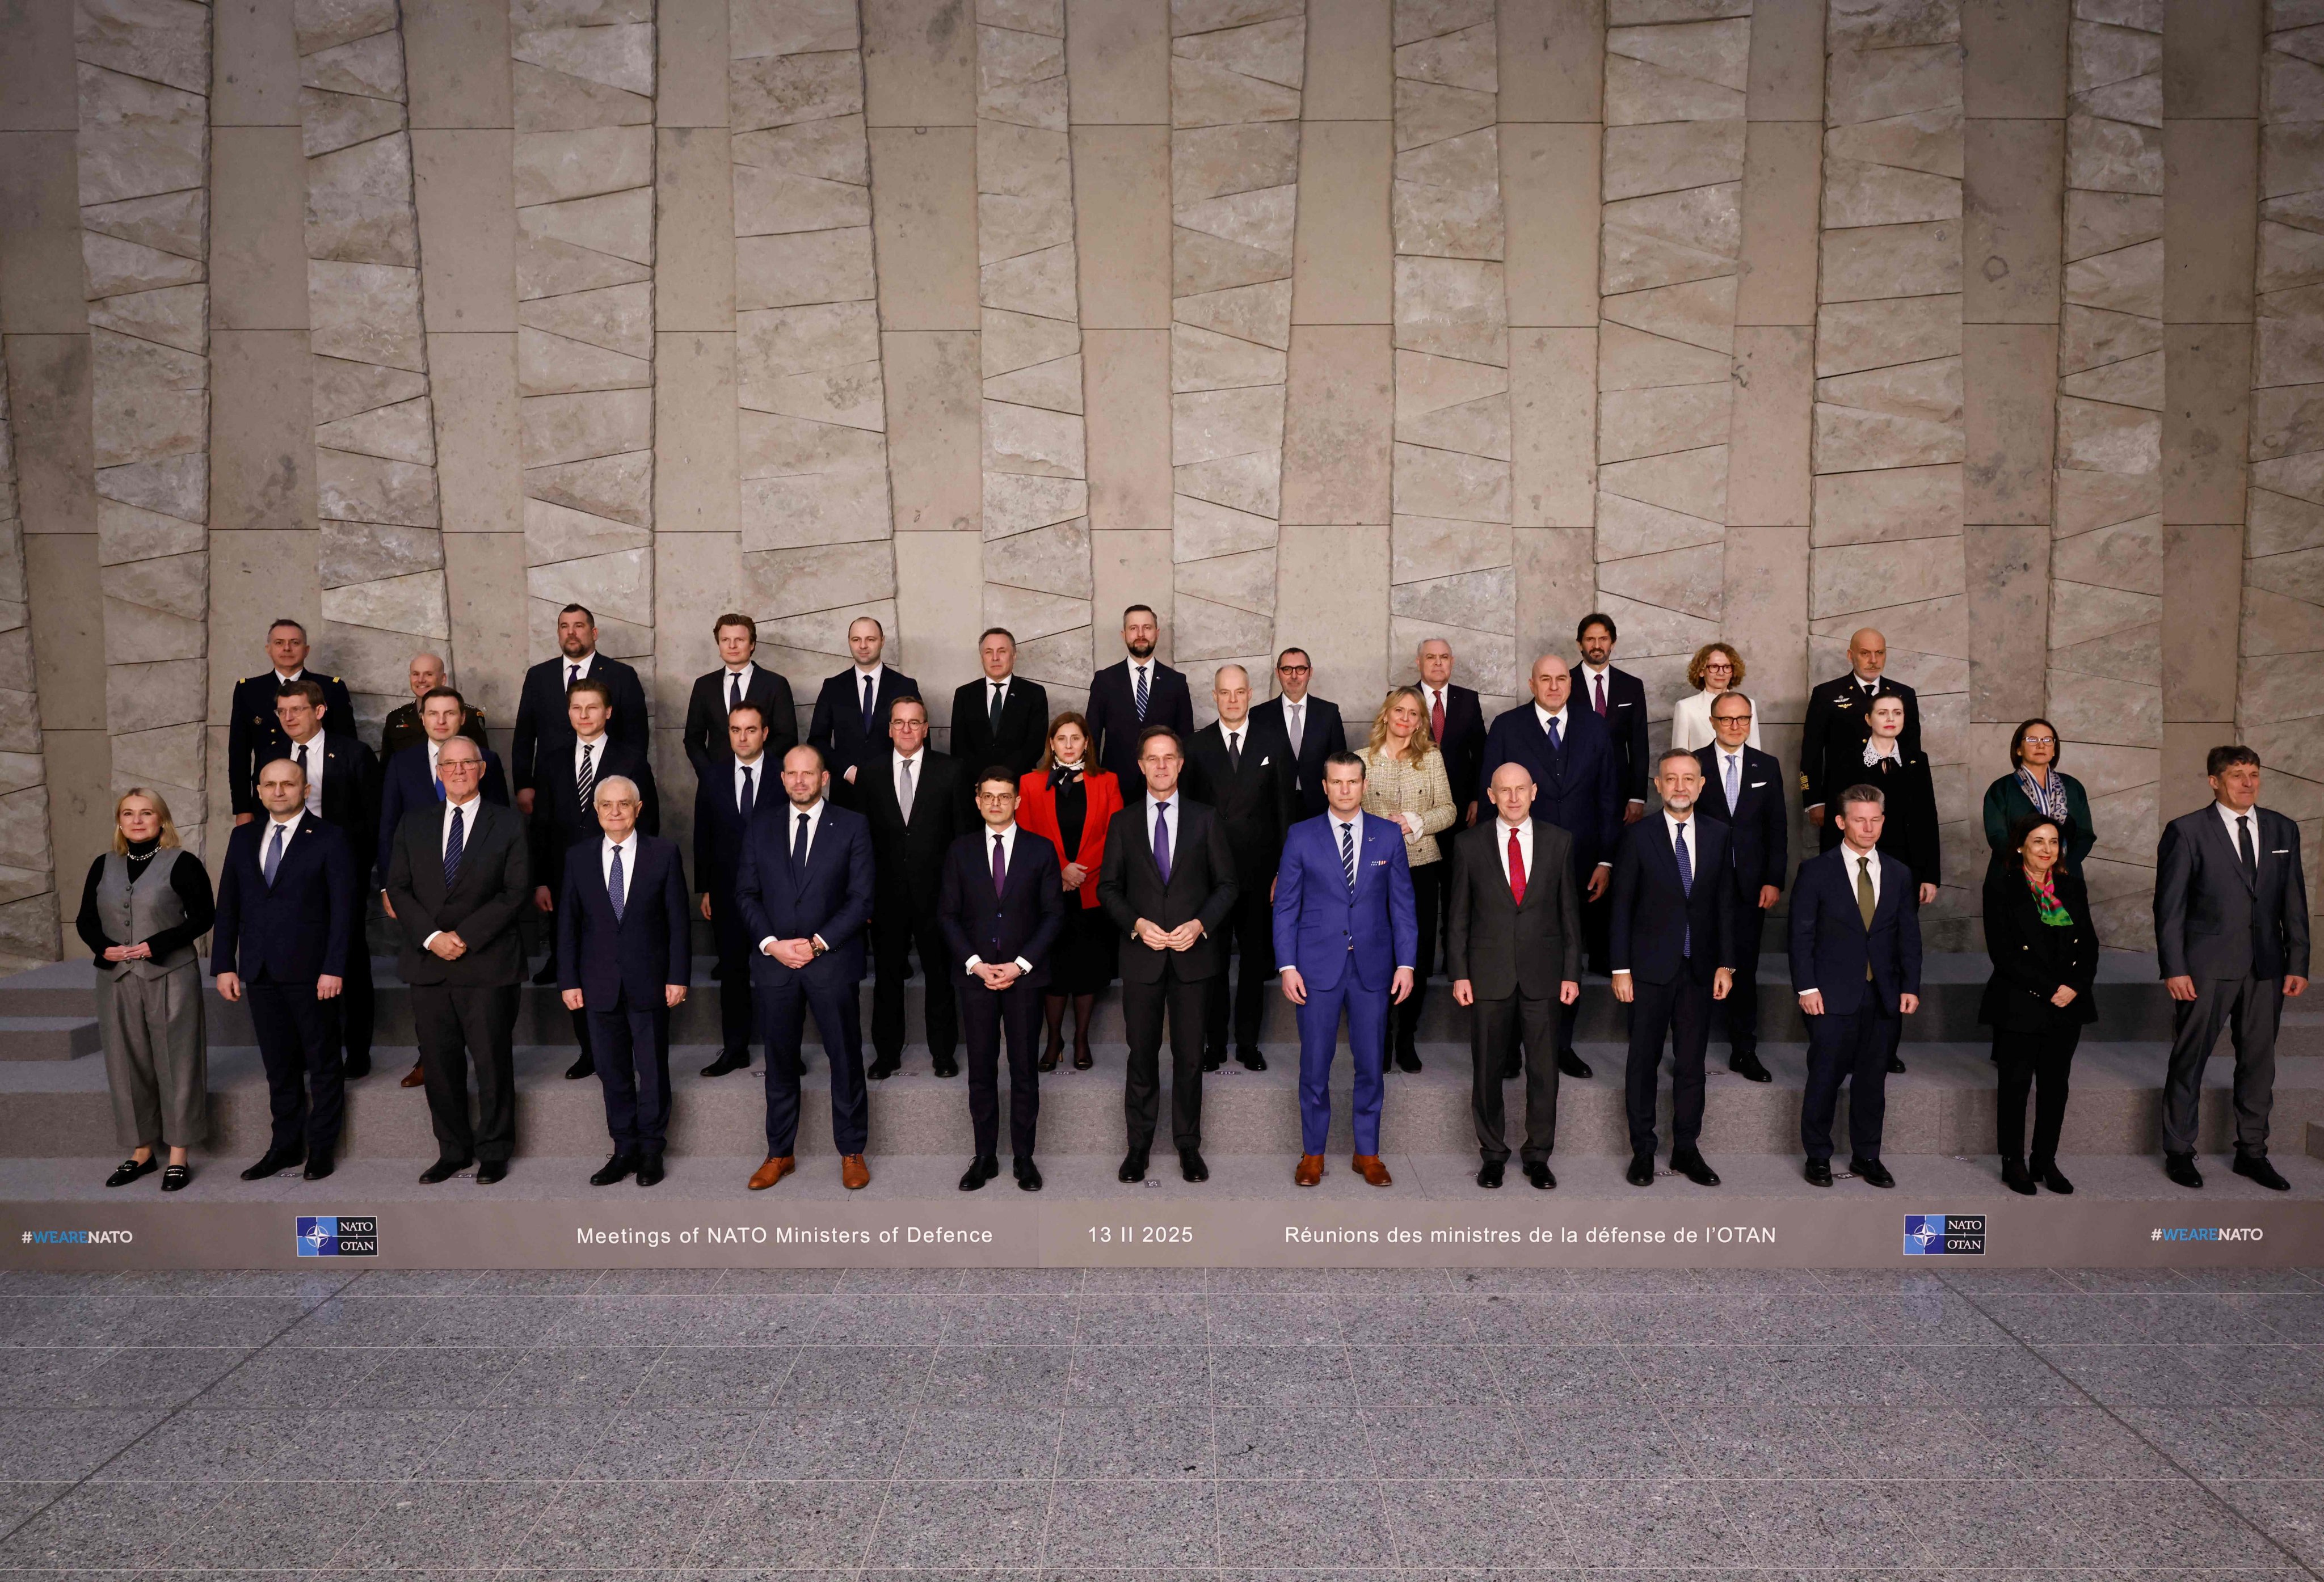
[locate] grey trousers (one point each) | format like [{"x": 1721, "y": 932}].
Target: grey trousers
[
  {"x": 2252, "y": 1006},
  {"x": 156, "y": 1058}
]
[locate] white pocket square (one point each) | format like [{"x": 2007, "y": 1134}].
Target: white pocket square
[
  {"x": 2281, "y": 851},
  {"x": 1756, "y": 784}
]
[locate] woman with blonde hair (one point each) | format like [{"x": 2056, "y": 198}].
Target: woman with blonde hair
[
  {"x": 1404, "y": 781},
  {"x": 1716, "y": 667},
  {"x": 144, "y": 904}
]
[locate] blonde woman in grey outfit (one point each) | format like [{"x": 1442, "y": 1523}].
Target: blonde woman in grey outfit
[{"x": 145, "y": 903}]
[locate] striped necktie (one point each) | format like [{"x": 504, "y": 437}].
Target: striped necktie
[
  {"x": 587, "y": 780},
  {"x": 1347, "y": 854},
  {"x": 454, "y": 845}
]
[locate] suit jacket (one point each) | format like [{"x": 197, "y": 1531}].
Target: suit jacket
[
  {"x": 1578, "y": 789},
  {"x": 1325, "y": 733},
  {"x": 403, "y": 729},
  {"x": 1831, "y": 946},
  {"x": 838, "y": 726},
  {"x": 254, "y": 736},
  {"x": 1909, "y": 832},
  {"x": 1759, "y": 825},
  {"x": 1201, "y": 885},
  {"x": 1036, "y": 810},
  {"x": 2032, "y": 960},
  {"x": 301, "y": 927},
  {"x": 1463, "y": 747},
  {"x": 2212, "y": 920},
  {"x": 706, "y": 716},
  {"x": 1022, "y": 920},
  {"x": 636, "y": 954},
  {"x": 544, "y": 732},
  {"x": 1024, "y": 726},
  {"x": 1625, "y": 721},
  {"x": 831, "y": 897},
  {"x": 718, "y": 826},
  {"x": 350, "y": 793},
  {"x": 1115, "y": 725},
  {"x": 908, "y": 858},
  {"x": 406, "y": 783},
  {"x": 1836, "y": 716},
  {"x": 1660, "y": 930},
  {"x": 1258, "y": 804},
  {"x": 559, "y": 822},
  {"x": 493, "y": 888},
  {"x": 1326, "y": 932},
  {"x": 2006, "y": 803},
  {"x": 1499, "y": 945}
]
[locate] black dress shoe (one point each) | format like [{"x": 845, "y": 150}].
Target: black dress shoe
[
  {"x": 2180, "y": 1168},
  {"x": 1133, "y": 1166},
  {"x": 1512, "y": 1070},
  {"x": 174, "y": 1177},
  {"x": 1191, "y": 1165},
  {"x": 1408, "y": 1060},
  {"x": 442, "y": 1171},
  {"x": 2256, "y": 1167},
  {"x": 1253, "y": 1061},
  {"x": 1691, "y": 1165},
  {"x": 2013, "y": 1177},
  {"x": 620, "y": 1164},
  {"x": 582, "y": 1065},
  {"x": 356, "y": 1066},
  {"x": 732, "y": 1060},
  {"x": 1819, "y": 1172},
  {"x": 1538, "y": 1172},
  {"x": 1573, "y": 1064},
  {"x": 981, "y": 1169},
  {"x": 947, "y": 1067},
  {"x": 650, "y": 1169},
  {"x": 1213, "y": 1059},
  {"x": 880, "y": 1071},
  {"x": 274, "y": 1162},
  {"x": 1747, "y": 1067},
  {"x": 2050, "y": 1177},
  {"x": 1871, "y": 1173},
  {"x": 1642, "y": 1170},
  {"x": 491, "y": 1171},
  {"x": 319, "y": 1167},
  {"x": 1028, "y": 1175},
  {"x": 1896, "y": 1066},
  {"x": 129, "y": 1169},
  {"x": 1488, "y": 1173}
]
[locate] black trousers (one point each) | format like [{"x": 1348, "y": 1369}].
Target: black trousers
[
  {"x": 736, "y": 1026},
  {"x": 897, "y": 932},
  {"x": 1738, "y": 1012},
  {"x": 1597, "y": 927},
  {"x": 633, "y": 1053},
  {"x": 458, "y": 1024},
  {"x": 1250, "y": 927},
  {"x": 304, "y": 1082},
  {"x": 988, "y": 1015},
  {"x": 1428, "y": 904},
  {"x": 1679, "y": 1010},
  {"x": 784, "y": 998},
  {"x": 1143, "y": 1006},
  {"x": 2253, "y": 1007},
  {"x": 1851, "y": 1048},
  {"x": 2038, "y": 1062},
  {"x": 351, "y": 1012},
  {"x": 1496, "y": 1026}
]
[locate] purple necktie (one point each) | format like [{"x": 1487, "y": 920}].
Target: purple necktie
[
  {"x": 1162, "y": 839},
  {"x": 999, "y": 868}
]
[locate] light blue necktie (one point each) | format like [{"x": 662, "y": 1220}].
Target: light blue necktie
[
  {"x": 273, "y": 855},
  {"x": 1731, "y": 782},
  {"x": 614, "y": 891},
  {"x": 1686, "y": 884}
]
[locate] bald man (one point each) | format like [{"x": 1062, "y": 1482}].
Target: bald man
[
  {"x": 1835, "y": 710},
  {"x": 403, "y": 728}
]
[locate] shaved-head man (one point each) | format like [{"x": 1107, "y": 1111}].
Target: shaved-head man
[
  {"x": 1836, "y": 716},
  {"x": 404, "y": 727}
]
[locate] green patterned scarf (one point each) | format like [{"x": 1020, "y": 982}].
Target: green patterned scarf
[{"x": 2045, "y": 900}]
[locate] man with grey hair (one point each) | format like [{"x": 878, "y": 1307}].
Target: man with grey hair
[{"x": 1249, "y": 777}]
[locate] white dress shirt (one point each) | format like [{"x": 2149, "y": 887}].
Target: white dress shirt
[
  {"x": 1502, "y": 830},
  {"x": 996, "y": 692},
  {"x": 314, "y": 746},
  {"x": 758, "y": 768},
  {"x": 1007, "y": 855},
  {"x": 1690, "y": 725},
  {"x": 742, "y": 674},
  {"x": 290, "y": 828},
  {"x": 791, "y": 813},
  {"x": 1681, "y": 832},
  {"x": 572, "y": 669},
  {"x": 861, "y": 676},
  {"x": 628, "y": 847},
  {"x": 1176, "y": 803},
  {"x": 1543, "y": 717},
  {"x": 1295, "y": 721},
  {"x": 444, "y": 836}
]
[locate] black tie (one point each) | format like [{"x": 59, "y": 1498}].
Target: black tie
[
  {"x": 749, "y": 796},
  {"x": 798, "y": 846},
  {"x": 1234, "y": 752},
  {"x": 2244, "y": 847},
  {"x": 867, "y": 705},
  {"x": 1000, "y": 693},
  {"x": 736, "y": 701}
]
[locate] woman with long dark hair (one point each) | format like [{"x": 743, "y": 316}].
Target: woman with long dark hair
[
  {"x": 2046, "y": 956},
  {"x": 1068, "y": 801}
]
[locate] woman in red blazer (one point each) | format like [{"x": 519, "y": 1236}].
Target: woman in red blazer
[{"x": 1069, "y": 802}]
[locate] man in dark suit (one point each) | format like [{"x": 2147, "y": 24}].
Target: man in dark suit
[
  {"x": 286, "y": 904},
  {"x": 1835, "y": 710},
  {"x": 458, "y": 879},
  {"x": 1456, "y": 723},
  {"x": 1127, "y": 699},
  {"x": 851, "y": 712},
  {"x": 727, "y": 801},
  {"x": 1003, "y": 719},
  {"x": 2231, "y": 937},
  {"x": 1168, "y": 883},
  {"x": 1001, "y": 906},
  {"x": 804, "y": 888},
  {"x": 1674, "y": 948},
  {"x": 1244, "y": 774},
  {"x": 542, "y": 745},
  {"x": 1856, "y": 966},
  {"x": 254, "y": 736},
  {"x": 738, "y": 680},
  {"x": 409, "y": 779},
  {"x": 1571, "y": 756},
  {"x": 402, "y": 727},
  {"x": 1743, "y": 788},
  {"x": 918, "y": 804},
  {"x": 1619, "y": 699},
  {"x": 342, "y": 782},
  {"x": 624, "y": 959},
  {"x": 1309, "y": 729},
  {"x": 1514, "y": 953}
]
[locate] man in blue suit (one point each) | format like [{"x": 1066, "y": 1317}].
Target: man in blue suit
[
  {"x": 1577, "y": 771},
  {"x": 1856, "y": 964},
  {"x": 1743, "y": 788},
  {"x": 1347, "y": 935},
  {"x": 286, "y": 911},
  {"x": 805, "y": 889},
  {"x": 624, "y": 956}
]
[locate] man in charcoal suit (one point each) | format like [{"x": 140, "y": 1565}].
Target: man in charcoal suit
[
  {"x": 1234, "y": 767},
  {"x": 543, "y": 739},
  {"x": 1129, "y": 699},
  {"x": 342, "y": 787},
  {"x": 744, "y": 786},
  {"x": 1743, "y": 788},
  {"x": 918, "y": 803},
  {"x": 1456, "y": 723},
  {"x": 1003, "y": 718},
  {"x": 851, "y": 712},
  {"x": 1308, "y": 727},
  {"x": 739, "y": 679}
]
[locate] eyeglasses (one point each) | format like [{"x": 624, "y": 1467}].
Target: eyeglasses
[
  {"x": 2039, "y": 741},
  {"x": 1293, "y": 669}
]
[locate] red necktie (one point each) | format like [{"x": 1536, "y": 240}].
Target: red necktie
[
  {"x": 1437, "y": 718},
  {"x": 1599, "y": 681},
  {"x": 1516, "y": 869}
]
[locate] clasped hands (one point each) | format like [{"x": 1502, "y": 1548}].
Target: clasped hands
[
  {"x": 794, "y": 953},
  {"x": 1154, "y": 937},
  {"x": 996, "y": 974}
]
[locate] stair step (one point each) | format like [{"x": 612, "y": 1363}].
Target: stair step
[{"x": 48, "y": 1038}]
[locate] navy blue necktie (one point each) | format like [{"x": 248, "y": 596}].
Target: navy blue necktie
[
  {"x": 613, "y": 889},
  {"x": 750, "y": 797},
  {"x": 273, "y": 855},
  {"x": 454, "y": 845},
  {"x": 1141, "y": 693},
  {"x": 868, "y": 700},
  {"x": 1162, "y": 839},
  {"x": 1686, "y": 887},
  {"x": 1556, "y": 737},
  {"x": 798, "y": 846}
]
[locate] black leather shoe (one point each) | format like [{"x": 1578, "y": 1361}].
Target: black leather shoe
[
  {"x": 1408, "y": 1060},
  {"x": 1133, "y": 1166},
  {"x": 1691, "y": 1165},
  {"x": 981, "y": 1169},
  {"x": 442, "y": 1171},
  {"x": 1538, "y": 1172},
  {"x": 733, "y": 1059},
  {"x": 2050, "y": 1177},
  {"x": 1747, "y": 1067},
  {"x": 1253, "y": 1061},
  {"x": 174, "y": 1177},
  {"x": 274, "y": 1162},
  {"x": 880, "y": 1071},
  {"x": 1819, "y": 1172},
  {"x": 947, "y": 1067},
  {"x": 2013, "y": 1177},
  {"x": 2180, "y": 1168},
  {"x": 1191, "y": 1165},
  {"x": 319, "y": 1167},
  {"x": 620, "y": 1164},
  {"x": 582, "y": 1066},
  {"x": 1573, "y": 1064},
  {"x": 1028, "y": 1175},
  {"x": 1871, "y": 1173},
  {"x": 1642, "y": 1170},
  {"x": 1512, "y": 1070},
  {"x": 1213, "y": 1059},
  {"x": 1896, "y": 1066},
  {"x": 650, "y": 1169},
  {"x": 129, "y": 1169},
  {"x": 2256, "y": 1167},
  {"x": 491, "y": 1171},
  {"x": 356, "y": 1067},
  {"x": 1488, "y": 1173}
]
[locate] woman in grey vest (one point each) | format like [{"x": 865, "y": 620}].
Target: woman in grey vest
[{"x": 145, "y": 904}]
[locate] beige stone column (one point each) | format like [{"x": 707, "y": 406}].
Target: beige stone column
[
  {"x": 28, "y": 900},
  {"x": 144, "y": 148}
]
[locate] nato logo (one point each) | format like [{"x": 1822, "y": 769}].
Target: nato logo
[
  {"x": 1936, "y": 1235},
  {"x": 340, "y": 1236}
]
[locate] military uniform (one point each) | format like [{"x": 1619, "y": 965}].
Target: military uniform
[
  {"x": 254, "y": 736},
  {"x": 403, "y": 730},
  {"x": 1836, "y": 712}
]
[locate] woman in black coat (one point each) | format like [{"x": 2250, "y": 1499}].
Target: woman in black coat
[
  {"x": 1909, "y": 832},
  {"x": 2046, "y": 956}
]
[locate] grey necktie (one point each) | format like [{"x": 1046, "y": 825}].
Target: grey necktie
[
  {"x": 1731, "y": 782},
  {"x": 904, "y": 791},
  {"x": 1296, "y": 716}
]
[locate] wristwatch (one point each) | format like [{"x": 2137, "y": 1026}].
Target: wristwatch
[{"x": 817, "y": 947}]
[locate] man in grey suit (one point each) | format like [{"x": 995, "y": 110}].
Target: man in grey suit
[{"x": 2231, "y": 934}]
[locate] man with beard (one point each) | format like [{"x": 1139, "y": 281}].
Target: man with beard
[{"x": 1129, "y": 699}]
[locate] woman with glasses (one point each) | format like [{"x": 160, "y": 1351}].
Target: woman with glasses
[
  {"x": 2044, "y": 949},
  {"x": 2036, "y": 784},
  {"x": 1716, "y": 667}
]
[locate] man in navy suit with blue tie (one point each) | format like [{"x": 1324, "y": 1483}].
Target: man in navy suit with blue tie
[
  {"x": 1743, "y": 788},
  {"x": 1347, "y": 934},
  {"x": 849, "y": 724},
  {"x": 624, "y": 954},
  {"x": 805, "y": 889}
]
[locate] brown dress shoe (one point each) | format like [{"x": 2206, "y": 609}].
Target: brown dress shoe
[
  {"x": 771, "y": 1172},
  {"x": 853, "y": 1175},
  {"x": 1310, "y": 1172},
  {"x": 1370, "y": 1167},
  {"x": 415, "y": 1077}
]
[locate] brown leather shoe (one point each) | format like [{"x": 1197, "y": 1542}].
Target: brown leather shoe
[
  {"x": 1310, "y": 1172},
  {"x": 773, "y": 1170},
  {"x": 415, "y": 1077},
  {"x": 854, "y": 1173},
  {"x": 1370, "y": 1167}
]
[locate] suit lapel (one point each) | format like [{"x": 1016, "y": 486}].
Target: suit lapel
[{"x": 2227, "y": 847}]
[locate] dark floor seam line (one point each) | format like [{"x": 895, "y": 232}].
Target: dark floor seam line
[{"x": 2208, "y": 1492}]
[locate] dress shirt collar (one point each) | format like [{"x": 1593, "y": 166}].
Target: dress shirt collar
[
  {"x": 2228, "y": 816},
  {"x": 297, "y": 674},
  {"x": 871, "y": 674},
  {"x": 1678, "y": 826},
  {"x": 745, "y": 668},
  {"x": 1543, "y": 716},
  {"x": 289, "y": 826},
  {"x": 626, "y": 845},
  {"x": 1350, "y": 821},
  {"x": 1595, "y": 671},
  {"x": 1851, "y": 856},
  {"x": 585, "y": 664},
  {"x": 912, "y": 759},
  {"x": 597, "y": 740},
  {"x": 1866, "y": 682}
]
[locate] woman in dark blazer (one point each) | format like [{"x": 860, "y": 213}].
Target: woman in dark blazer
[
  {"x": 2035, "y": 785},
  {"x": 1909, "y": 832},
  {"x": 2046, "y": 956},
  {"x": 1068, "y": 801}
]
